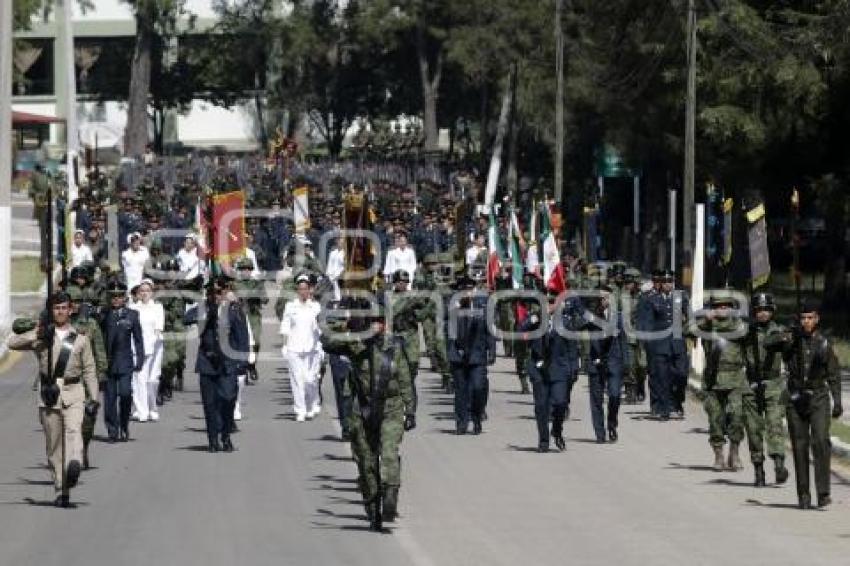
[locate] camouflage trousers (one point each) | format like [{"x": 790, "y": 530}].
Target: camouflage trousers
[
  {"x": 725, "y": 411},
  {"x": 436, "y": 346},
  {"x": 768, "y": 429},
  {"x": 635, "y": 374},
  {"x": 391, "y": 434}
]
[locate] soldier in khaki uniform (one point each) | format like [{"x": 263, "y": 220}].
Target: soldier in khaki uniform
[{"x": 63, "y": 395}]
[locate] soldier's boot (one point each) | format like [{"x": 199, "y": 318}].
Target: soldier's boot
[
  {"x": 390, "y": 503},
  {"x": 734, "y": 458},
  {"x": 759, "y": 473},
  {"x": 178, "y": 382},
  {"x": 523, "y": 382},
  {"x": 445, "y": 382},
  {"x": 373, "y": 512},
  {"x": 780, "y": 470},
  {"x": 719, "y": 462},
  {"x": 804, "y": 501}
]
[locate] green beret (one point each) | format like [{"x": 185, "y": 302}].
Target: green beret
[{"x": 22, "y": 325}]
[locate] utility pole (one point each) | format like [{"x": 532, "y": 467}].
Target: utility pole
[
  {"x": 559, "y": 101},
  {"x": 5, "y": 165},
  {"x": 690, "y": 149}
]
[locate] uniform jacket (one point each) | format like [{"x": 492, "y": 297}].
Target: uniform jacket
[
  {"x": 612, "y": 351},
  {"x": 122, "y": 335},
  {"x": 223, "y": 322},
  {"x": 661, "y": 309},
  {"x": 554, "y": 357},
  {"x": 473, "y": 343},
  {"x": 80, "y": 374}
]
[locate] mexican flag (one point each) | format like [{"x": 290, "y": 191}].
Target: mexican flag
[
  {"x": 515, "y": 252},
  {"x": 497, "y": 252},
  {"x": 553, "y": 270}
]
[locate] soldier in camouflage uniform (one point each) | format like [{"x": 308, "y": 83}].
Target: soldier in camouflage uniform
[
  {"x": 174, "y": 347},
  {"x": 635, "y": 374},
  {"x": 433, "y": 326},
  {"x": 382, "y": 409},
  {"x": 724, "y": 380},
  {"x": 770, "y": 339},
  {"x": 252, "y": 292},
  {"x": 407, "y": 312},
  {"x": 87, "y": 325}
]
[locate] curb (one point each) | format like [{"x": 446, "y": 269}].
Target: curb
[{"x": 840, "y": 448}]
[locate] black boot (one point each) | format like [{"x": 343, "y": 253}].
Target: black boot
[
  {"x": 759, "y": 471},
  {"x": 390, "y": 503},
  {"x": 523, "y": 383},
  {"x": 543, "y": 447},
  {"x": 373, "y": 512},
  {"x": 214, "y": 446},
  {"x": 780, "y": 470},
  {"x": 804, "y": 501},
  {"x": 476, "y": 426}
]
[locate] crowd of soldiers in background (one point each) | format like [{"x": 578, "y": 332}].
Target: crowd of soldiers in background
[{"x": 747, "y": 389}]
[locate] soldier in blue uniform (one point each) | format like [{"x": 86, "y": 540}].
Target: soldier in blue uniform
[
  {"x": 219, "y": 367},
  {"x": 608, "y": 355},
  {"x": 471, "y": 348},
  {"x": 667, "y": 314},
  {"x": 551, "y": 364}
]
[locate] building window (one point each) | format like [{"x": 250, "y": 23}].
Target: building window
[{"x": 33, "y": 67}]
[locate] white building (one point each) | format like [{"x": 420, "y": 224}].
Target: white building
[{"x": 102, "y": 37}]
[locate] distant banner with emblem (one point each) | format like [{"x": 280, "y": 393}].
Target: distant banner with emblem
[
  {"x": 228, "y": 216},
  {"x": 301, "y": 209},
  {"x": 759, "y": 255}
]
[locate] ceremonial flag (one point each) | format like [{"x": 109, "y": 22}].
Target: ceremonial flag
[
  {"x": 228, "y": 217},
  {"x": 515, "y": 250},
  {"x": 497, "y": 253},
  {"x": 553, "y": 270},
  {"x": 301, "y": 209},
  {"x": 757, "y": 239}
]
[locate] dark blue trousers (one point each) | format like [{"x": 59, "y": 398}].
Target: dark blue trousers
[
  {"x": 340, "y": 369},
  {"x": 471, "y": 386},
  {"x": 659, "y": 385},
  {"x": 218, "y": 395},
  {"x": 600, "y": 381},
  {"x": 117, "y": 401},
  {"x": 550, "y": 401}
]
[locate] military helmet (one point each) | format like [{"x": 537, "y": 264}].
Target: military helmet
[
  {"x": 77, "y": 273},
  {"x": 617, "y": 270},
  {"x": 245, "y": 263},
  {"x": 724, "y": 297},
  {"x": 763, "y": 301},
  {"x": 632, "y": 274},
  {"x": 22, "y": 325}
]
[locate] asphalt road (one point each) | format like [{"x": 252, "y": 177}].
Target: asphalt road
[{"x": 288, "y": 495}]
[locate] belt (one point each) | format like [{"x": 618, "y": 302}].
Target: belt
[{"x": 68, "y": 381}]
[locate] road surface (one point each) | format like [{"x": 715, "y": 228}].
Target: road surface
[{"x": 288, "y": 495}]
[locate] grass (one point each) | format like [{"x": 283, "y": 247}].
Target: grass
[{"x": 26, "y": 275}]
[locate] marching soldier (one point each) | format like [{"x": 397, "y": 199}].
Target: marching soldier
[
  {"x": 813, "y": 376},
  {"x": 552, "y": 361},
  {"x": 725, "y": 380},
  {"x": 219, "y": 367},
  {"x": 771, "y": 339},
  {"x": 407, "y": 312},
  {"x": 382, "y": 409},
  {"x": 471, "y": 348},
  {"x": 608, "y": 355},
  {"x": 635, "y": 373},
  {"x": 253, "y": 295},
  {"x": 87, "y": 325},
  {"x": 174, "y": 347},
  {"x": 667, "y": 311},
  {"x": 125, "y": 351},
  {"x": 63, "y": 395},
  {"x": 433, "y": 326}
]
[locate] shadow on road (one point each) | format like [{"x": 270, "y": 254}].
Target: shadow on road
[{"x": 690, "y": 467}]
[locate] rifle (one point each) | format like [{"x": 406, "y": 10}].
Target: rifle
[
  {"x": 372, "y": 419},
  {"x": 798, "y": 395}
]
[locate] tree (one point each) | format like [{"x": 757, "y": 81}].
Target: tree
[{"x": 155, "y": 20}]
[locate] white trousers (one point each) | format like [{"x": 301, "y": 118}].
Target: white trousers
[
  {"x": 304, "y": 380},
  {"x": 237, "y": 412},
  {"x": 146, "y": 384}
]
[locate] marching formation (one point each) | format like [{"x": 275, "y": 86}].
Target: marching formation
[{"x": 353, "y": 281}]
